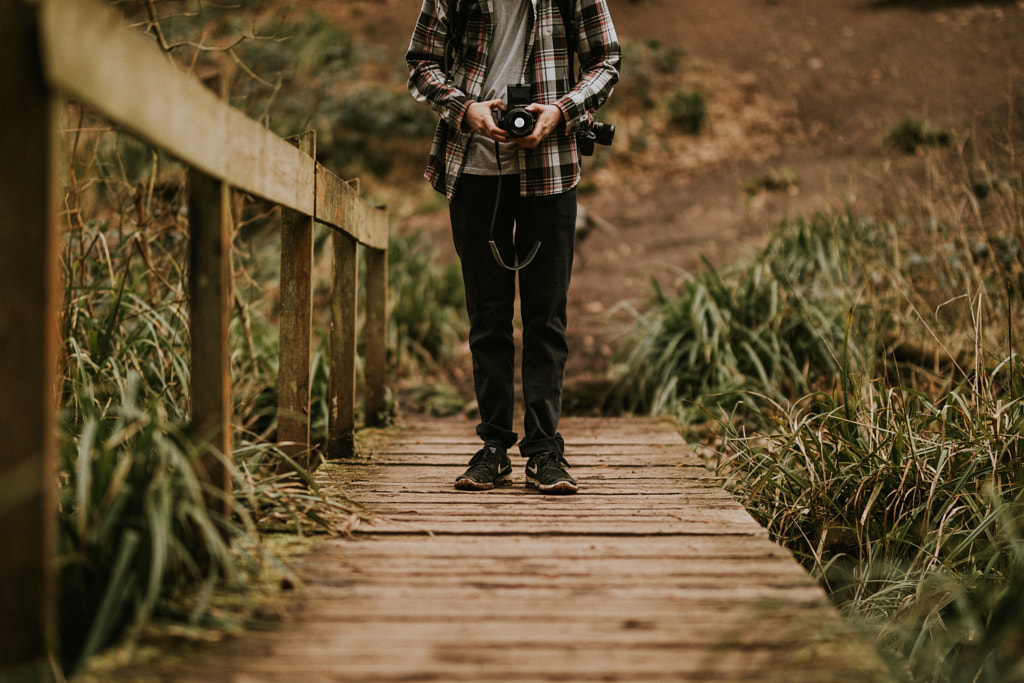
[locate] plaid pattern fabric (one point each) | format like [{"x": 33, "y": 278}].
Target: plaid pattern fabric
[{"x": 554, "y": 166}]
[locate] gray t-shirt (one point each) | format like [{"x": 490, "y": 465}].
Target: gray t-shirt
[{"x": 506, "y": 62}]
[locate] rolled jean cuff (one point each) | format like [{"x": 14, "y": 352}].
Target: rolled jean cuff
[
  {"x": 494, "y": 434},
  {"x": 553, "y": 444}
]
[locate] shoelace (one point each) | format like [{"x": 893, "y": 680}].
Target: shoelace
[
  {"x": 549, "y": 460},
  {"x": 484, "y": 454}
]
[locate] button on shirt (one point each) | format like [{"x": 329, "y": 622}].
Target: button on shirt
[{"x": 553, "y": 167}]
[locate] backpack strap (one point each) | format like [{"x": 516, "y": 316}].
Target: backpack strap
[
  {"x": 458, "y": 16},
  {"x": 566, "y": 9}
]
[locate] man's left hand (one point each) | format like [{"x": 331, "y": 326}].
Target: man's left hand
[{"x": 548, "y": 116}]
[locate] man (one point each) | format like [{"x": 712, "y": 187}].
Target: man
[{"x": 512, "y": 197}]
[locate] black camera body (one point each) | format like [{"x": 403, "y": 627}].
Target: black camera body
[
  {"x": 515, "y": 120},
  {"x": 600, "y": 133},
  {"x": 519, "y": 123}
]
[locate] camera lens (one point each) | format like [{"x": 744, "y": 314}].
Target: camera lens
[
  {"x": 519, "y": 122},
  {"x": 604, "y": 133}
]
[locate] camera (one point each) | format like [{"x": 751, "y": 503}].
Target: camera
[
  {"x": 600, "y": 133},
  {"x": 515, "y": 119}
]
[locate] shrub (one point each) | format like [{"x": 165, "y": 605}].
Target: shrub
[
  {"x": 688, "y": 112},
  {"x": 901, "y": 486},
  {"x": 774, "y": 327},
  {"x": 427, "y": 308},
  {"x": 910, "y": 134},
  {"x": 775, "y": 180}
]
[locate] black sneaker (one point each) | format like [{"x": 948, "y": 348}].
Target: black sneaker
[
  {"x": 546, "y": 473},
  {"x": 490, "y": 467}
]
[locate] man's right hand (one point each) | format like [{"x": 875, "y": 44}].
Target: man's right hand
[{"x": 481, "y": 121}]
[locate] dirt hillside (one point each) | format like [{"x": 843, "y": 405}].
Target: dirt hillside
[
  {"x": 803, "y": 88},
  {"x": 834, "y": 76}
]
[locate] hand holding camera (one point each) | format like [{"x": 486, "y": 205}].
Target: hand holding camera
[{"x": 518, "y": 121}]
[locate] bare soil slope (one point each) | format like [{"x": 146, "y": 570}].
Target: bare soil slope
[{"x": 804, "y": 86}]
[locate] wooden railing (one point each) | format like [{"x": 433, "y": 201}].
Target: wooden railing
[{"x": 50, "y": 49}]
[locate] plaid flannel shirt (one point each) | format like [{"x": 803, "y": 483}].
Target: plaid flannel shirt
[{"x": 554, "y": 166}]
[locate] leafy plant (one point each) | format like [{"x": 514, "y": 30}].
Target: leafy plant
[{"x": 775, "y": 180}]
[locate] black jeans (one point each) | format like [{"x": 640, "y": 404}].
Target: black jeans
[{"x": 490, "y": 300}]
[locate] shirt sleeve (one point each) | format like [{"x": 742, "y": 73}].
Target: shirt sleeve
[
  {"x": 425, "y": 58},
  {"x": 597, "y": 45}
]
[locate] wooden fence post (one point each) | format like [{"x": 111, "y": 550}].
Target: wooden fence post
[
  {"x": 29, "y": 236},
  {"x": 376, "y": 331},
  {"x": 296, "y": 322},
  {"x": 209, "y": 212},
  {"x": 345, "y": 275}
]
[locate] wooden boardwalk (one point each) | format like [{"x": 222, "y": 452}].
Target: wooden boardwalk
[{"x": 650, "y": 573}]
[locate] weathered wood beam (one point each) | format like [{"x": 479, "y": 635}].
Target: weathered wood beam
[
  {"x": 375, "y": 334},
  {"x": 332, "y": 196},
  {"x": 128, "y": 79},
  {"x": 210, "y": 294},
  {"x": 29, "y": 239},
  {"x": 342, "y": 402},
  {"x": 296, "y": 320}
]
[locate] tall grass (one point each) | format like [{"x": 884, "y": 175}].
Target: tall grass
[
  {"x": 137, "y": 537},
  {"x": 867, "y": 396},
  {"x": 135, "y": 523},
  {"x": 908, "y": 509},
  {"x": 775, "y": 327},
  {"x": 141, "y": 534}
]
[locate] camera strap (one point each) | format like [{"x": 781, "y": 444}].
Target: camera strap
[{"x": 494, "y": 217}]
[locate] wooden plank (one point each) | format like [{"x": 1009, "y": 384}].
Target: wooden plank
[
  {"x": 496, "y": 597},
  {"x": 442, "y": 498},
  {"x": 330, "y": 608},
  {"x": 296, "y": 325},
  {"x": 522, "y": 511},
  {"x": 458, "y": 549},
  {"x": 443, "y": 476},
  {"x": 678, "y": 585},
  {"x": 29, "y": 150},
  {"x": 568, "y": 527},
  {"x": 209, "y": 212},
  {"x": 376, "y": 336},
  {"x": 588, "y": 570},
  {"x": 462, "y": 453}
]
